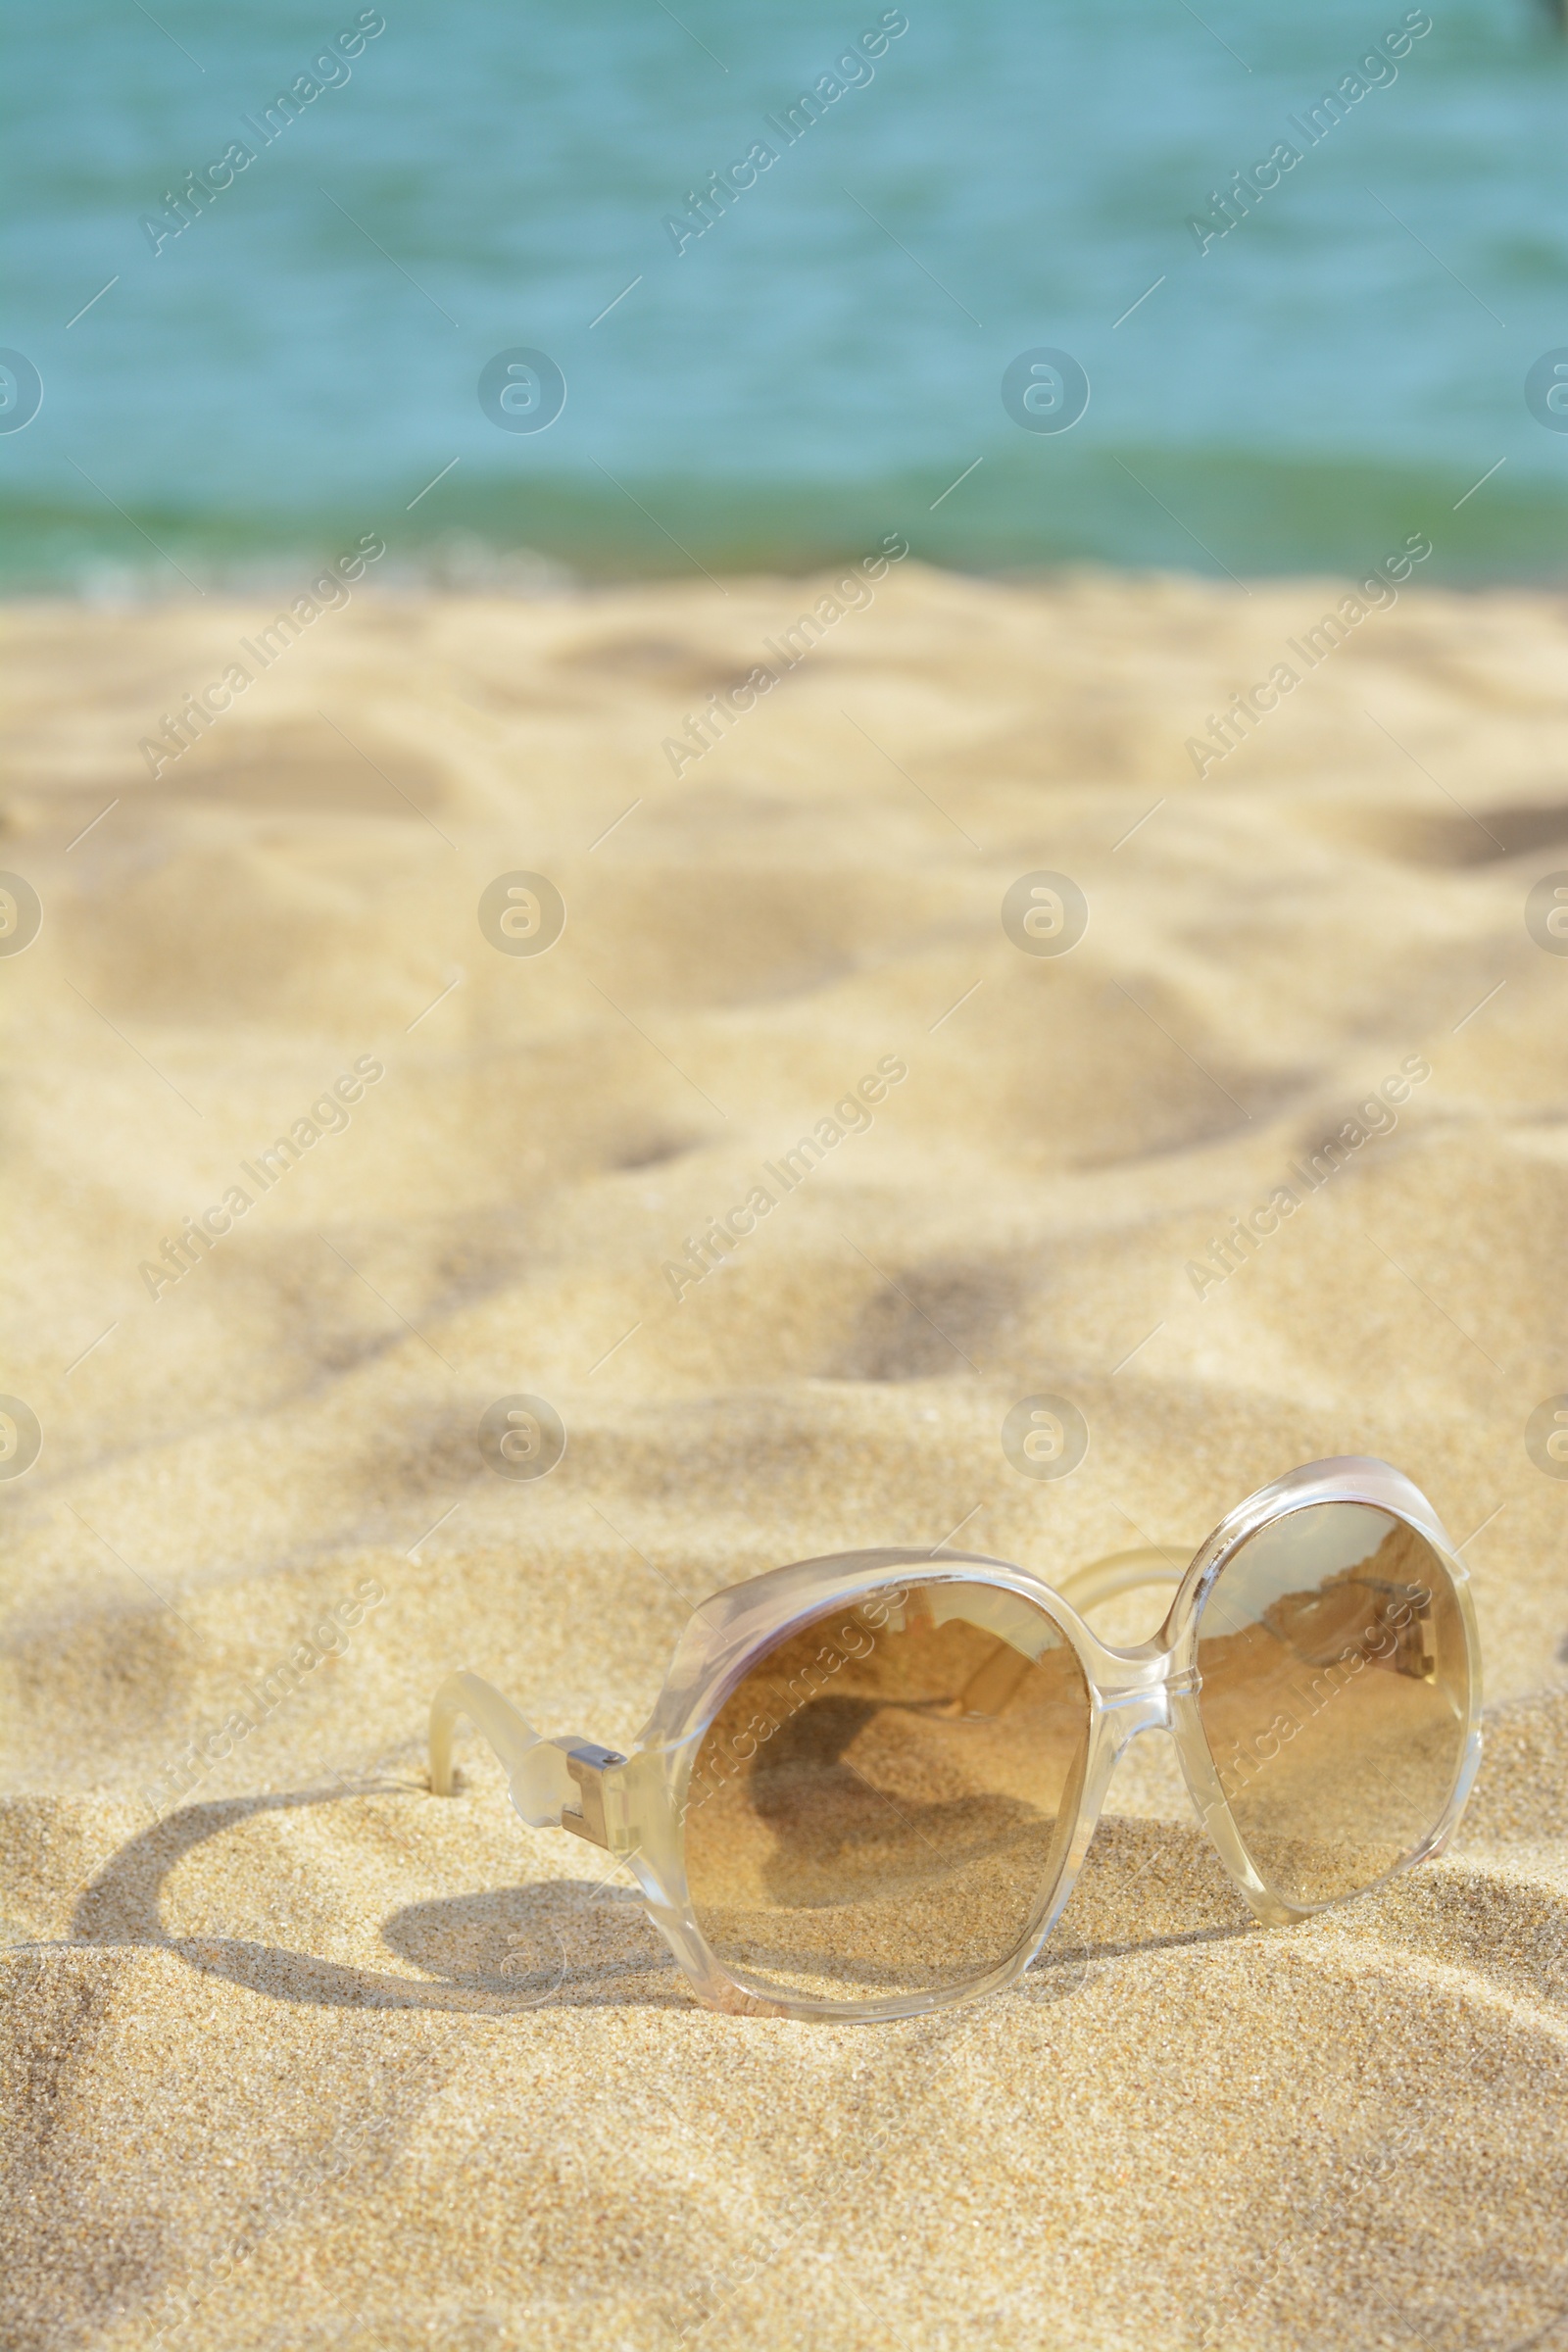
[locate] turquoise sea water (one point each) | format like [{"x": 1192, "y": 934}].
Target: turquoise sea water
[{"x": 825, "y": 359}]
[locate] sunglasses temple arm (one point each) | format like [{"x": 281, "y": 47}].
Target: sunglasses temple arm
[
  {"x": 542, "y": 1783},
  {"x": 1119, "y": 1571}
]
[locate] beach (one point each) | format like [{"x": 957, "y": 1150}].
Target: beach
[{"x": 417, "y": 1030}]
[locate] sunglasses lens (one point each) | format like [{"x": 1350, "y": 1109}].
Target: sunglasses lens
[
  {"x": 881, "y": 1808},
  {"x": 1335, "y": 1697}
]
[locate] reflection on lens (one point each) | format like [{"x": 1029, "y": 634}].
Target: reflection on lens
[
  {"x": 1335, "y": 1696},
  {"x": 881, "y": 1808}
]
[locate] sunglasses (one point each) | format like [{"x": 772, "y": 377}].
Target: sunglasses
[{"x": 870, "y": 1780}]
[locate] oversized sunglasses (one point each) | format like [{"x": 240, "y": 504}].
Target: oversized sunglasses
[{"x": 870, "y": 1780}]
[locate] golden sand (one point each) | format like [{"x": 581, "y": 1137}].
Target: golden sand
[{"x": 301, "y": 2056}]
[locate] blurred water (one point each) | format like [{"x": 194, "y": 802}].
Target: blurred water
[{"x": 818, "y": 368}]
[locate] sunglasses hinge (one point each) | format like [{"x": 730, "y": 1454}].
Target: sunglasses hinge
[{"x": 588, "y": 1765}]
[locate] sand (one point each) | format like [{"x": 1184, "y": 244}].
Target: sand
[{"x": 298, "y": 2055}]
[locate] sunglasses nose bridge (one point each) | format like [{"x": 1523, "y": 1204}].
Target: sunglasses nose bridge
[{"x": 1135, "y": 1695}]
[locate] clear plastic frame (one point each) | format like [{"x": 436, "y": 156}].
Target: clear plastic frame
[{"x": 870, "y": 1780}]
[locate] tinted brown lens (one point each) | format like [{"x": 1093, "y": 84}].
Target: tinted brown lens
[
  {"x": 881, "y": 1807},
  {"x": 1335, "y": 1696}
]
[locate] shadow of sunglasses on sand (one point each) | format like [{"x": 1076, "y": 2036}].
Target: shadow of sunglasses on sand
[{"x": 1146, "y": 1885}]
